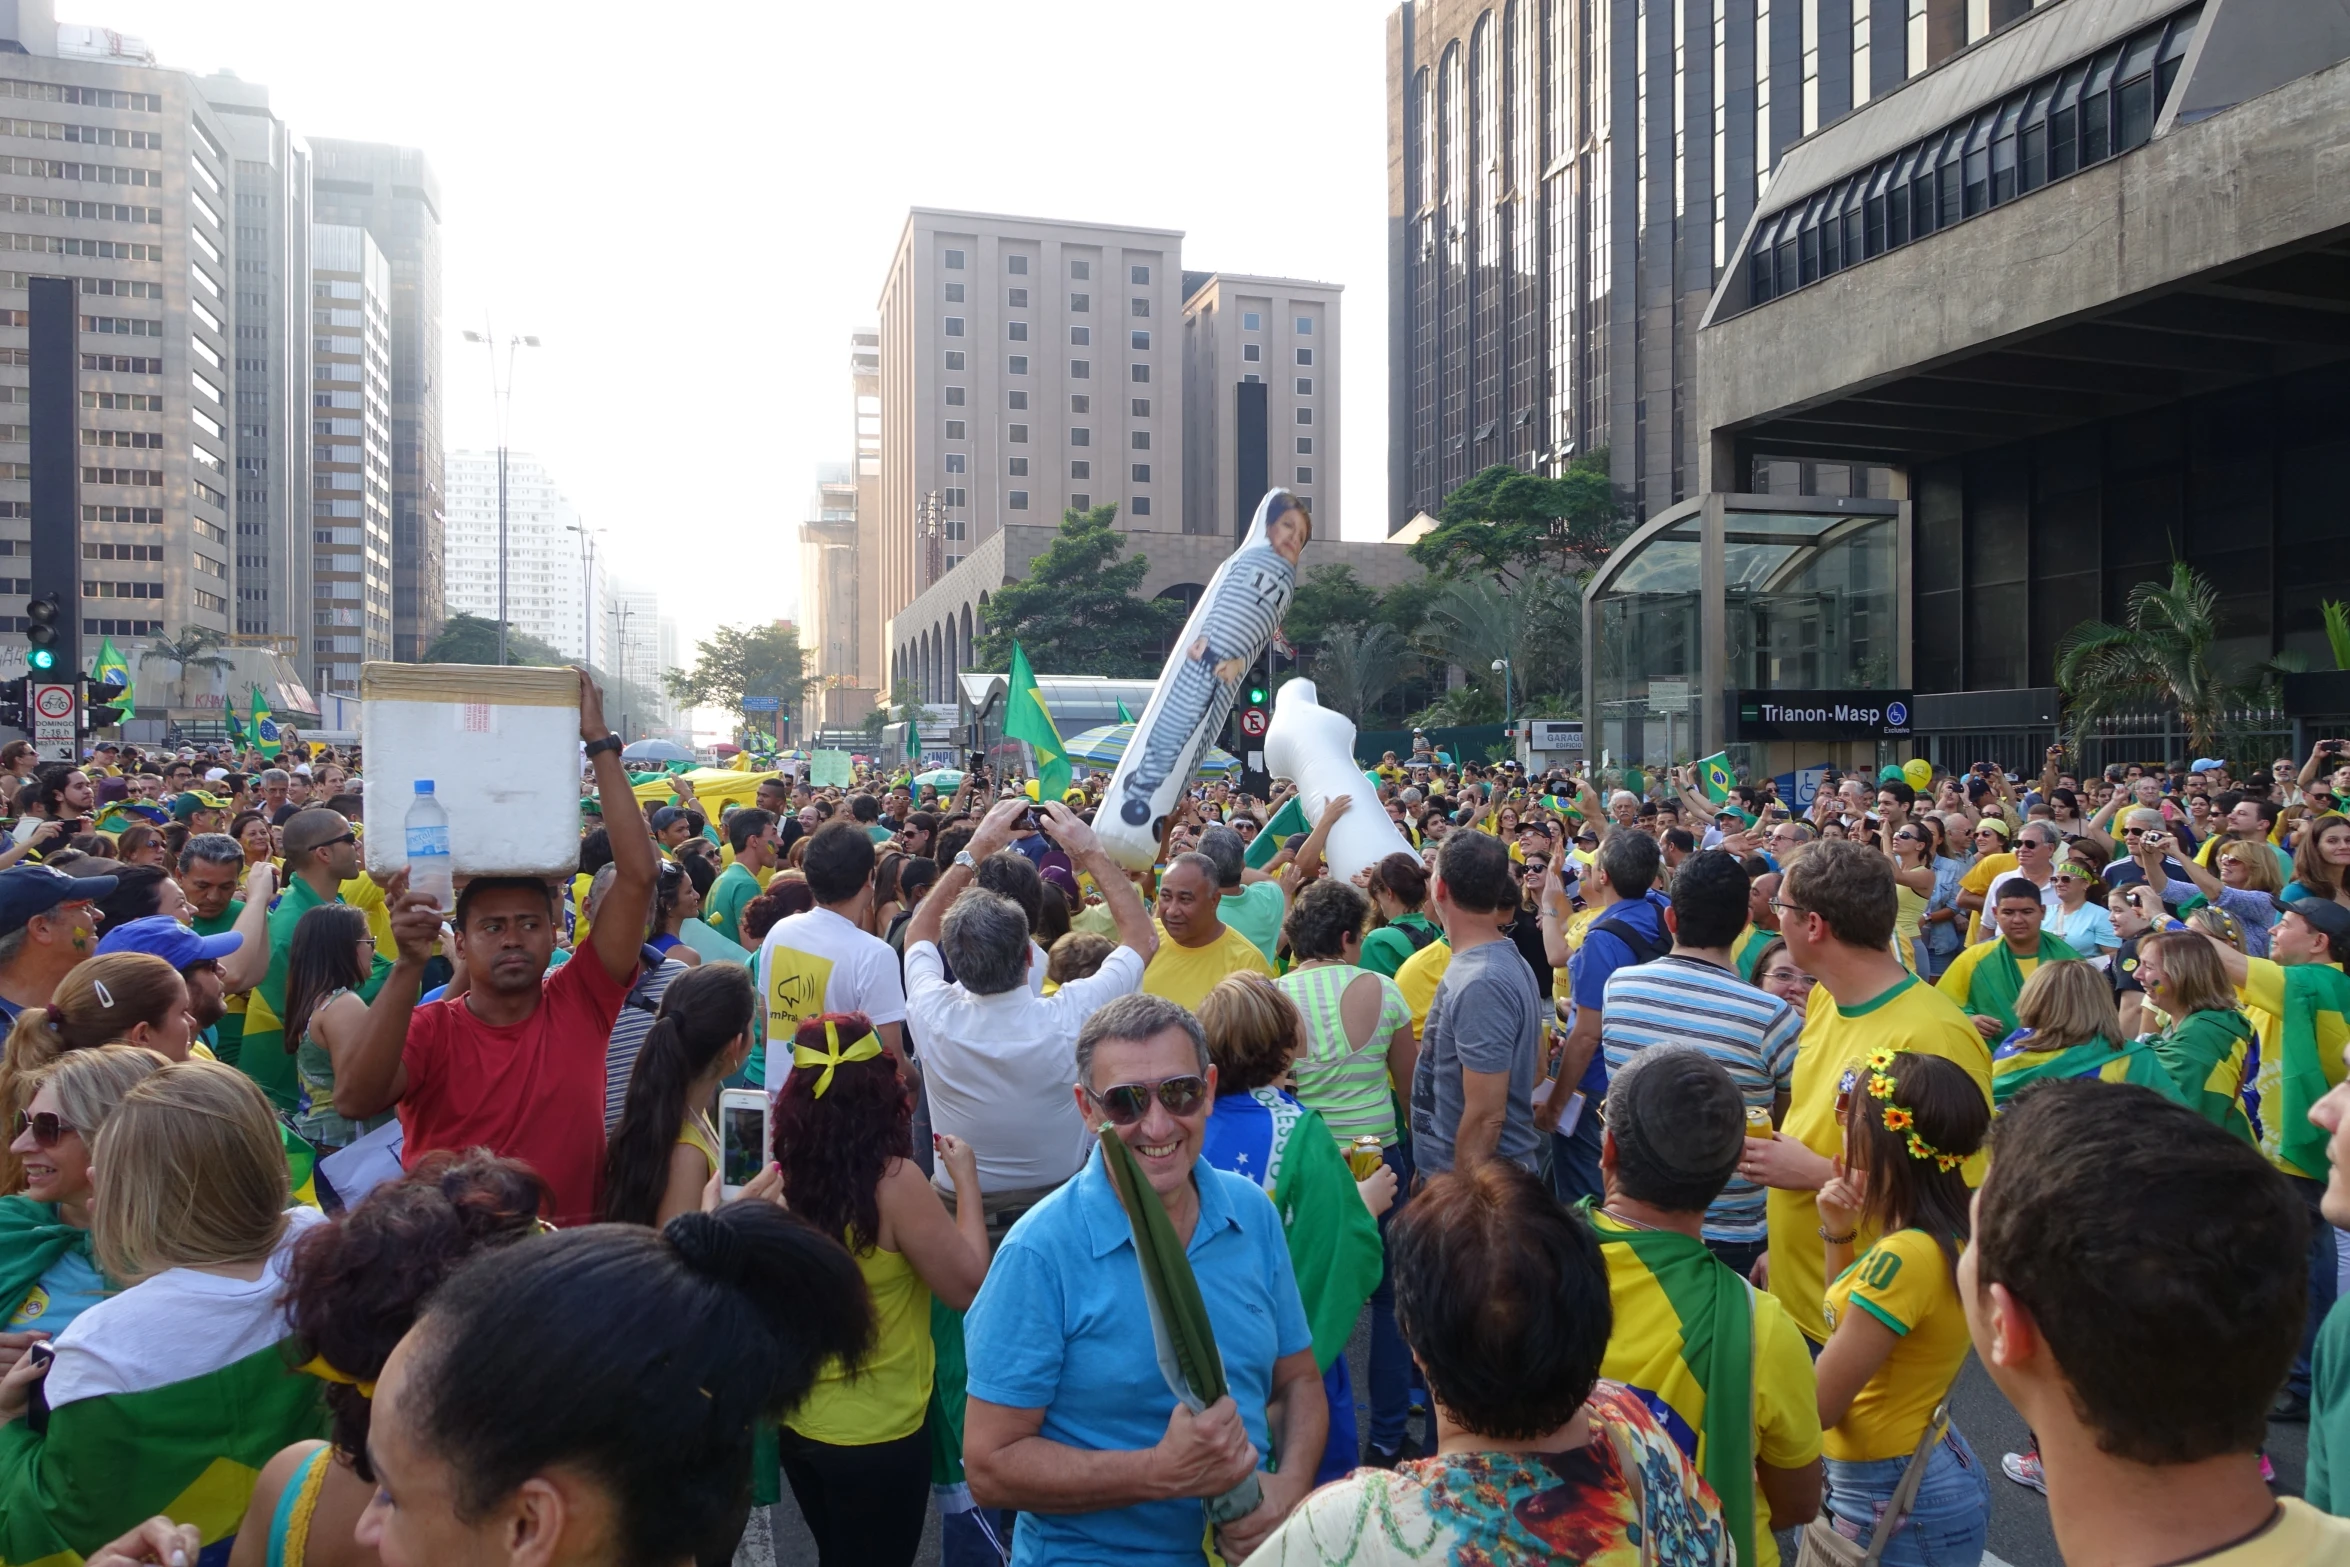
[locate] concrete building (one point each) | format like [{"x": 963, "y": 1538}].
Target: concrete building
[
  {"x": 830, "y": 582},
  {"x": 1027, "y": 365},
  {"x": 1260, "y": 398},
  {"x": 552, "y": 577},
  {"x": 636, "y": 656},
  {"x": 351, "y": 489},
  {"x": 1565, "y": 182},
  {"x": 393, "y": 194},
  {"x": 118, "y": 175},
  {"x": 272, "y": 374},
  {"x": 2083, "y": 294}
]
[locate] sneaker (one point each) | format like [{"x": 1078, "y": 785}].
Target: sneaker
[
  {"x": 1377, "y": 1457},
  {"x": 2024, "y": 1469},
  {"x": 2292, "y": 1408},
  {"x": 2268, "y": 1471}
]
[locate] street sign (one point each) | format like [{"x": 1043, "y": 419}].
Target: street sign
[
  {"x": 761, "y": 704},
  {"x": 1252, "y": 722},
  {"x": 53, "y": 722},
  {"x": 1668, "y": 696}
]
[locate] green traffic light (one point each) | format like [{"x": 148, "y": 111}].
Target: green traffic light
[
  {"x": 42, "y": 658},
  {"x": 1256, "y": 696}
]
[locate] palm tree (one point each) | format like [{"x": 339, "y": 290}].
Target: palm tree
[
  {"x": 1357, "y": 666},
  {"x": 191, "y": 649},
  {"x": 2162, "y": 654}
]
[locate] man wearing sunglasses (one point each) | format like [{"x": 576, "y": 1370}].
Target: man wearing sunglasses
[
  {"x": 1060, "y": 1334},
  {"x": 322, "y": 852}
]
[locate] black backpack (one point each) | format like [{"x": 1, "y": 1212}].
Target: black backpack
[{"x": 1645, "y": 948}]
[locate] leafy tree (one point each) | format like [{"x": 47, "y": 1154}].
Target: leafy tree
[
  {"x": 473, "y": 639},
  {"x": 2163, "y": 654},
  {"x": 1357, "y": 665},
  {"x": 1537, "y": 626},
  {"x": 191, "y": 649},
  {"x": 1078, "y": 608},
  {"x": 743, "y": 661},
  {"x": 1506, "y": 523},
  {"x": 1328, "y": 596}
]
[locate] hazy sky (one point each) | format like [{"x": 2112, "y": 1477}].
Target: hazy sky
[{"x": 693, "y": 206}]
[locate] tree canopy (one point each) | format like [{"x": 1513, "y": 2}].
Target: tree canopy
[
  {"x": 473, "y": 639},
  {"x": 1505, "y": 523},
  {"x": 743, "y": 661},
  {"x": 1077, "y": 610}
]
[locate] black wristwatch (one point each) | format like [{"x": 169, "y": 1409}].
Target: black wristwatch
[{"x": 596, "y": 748}]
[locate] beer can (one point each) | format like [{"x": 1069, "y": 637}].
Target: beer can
[
  {"x": 1758, "y": 1122},
  {"x": 1363, "y": 1156}
]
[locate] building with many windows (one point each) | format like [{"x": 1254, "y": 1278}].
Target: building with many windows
[
  {"x": 831, "y": 580},
  {"x": 351, "y": 458},
  {"x": 553, "y": 578},
  {"x": 1260, "y": 398},
  {"x": 1566, "y": 180}
]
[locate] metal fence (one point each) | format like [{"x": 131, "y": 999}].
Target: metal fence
[{"x": 2251, "y": 737}]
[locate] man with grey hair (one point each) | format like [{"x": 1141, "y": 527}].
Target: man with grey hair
[
  {"x": 275, "y": 807},
  {"x": 1200, "y": 949},
  {"x": 1069, "y": 1419},
  {"x": 1253, "y": 902},
  {"x": 995, "y": 1055},
  {"x": 2141, "y": 825}
]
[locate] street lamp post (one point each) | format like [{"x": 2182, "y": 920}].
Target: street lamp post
[
  {"x": 587, "y": 589},
  {"x": 502, "y": 397}
]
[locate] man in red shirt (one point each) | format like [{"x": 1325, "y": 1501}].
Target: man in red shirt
[{"x": 512, "y": 1057}]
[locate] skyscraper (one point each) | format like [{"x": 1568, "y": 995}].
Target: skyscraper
[
  {"x": 350, "y": 420},
  {"x": 392, "y": 193},
  {"x": 1260, "y": 398},
  {"x": 549, "y": 567},
  {"x": 1566, "y": 179}
]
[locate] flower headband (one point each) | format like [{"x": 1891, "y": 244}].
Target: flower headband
[
  {"x": 831, "y": 1057},
  {"x": 1899, "y": 1119}
]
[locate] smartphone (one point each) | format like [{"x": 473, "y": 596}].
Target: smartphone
[{"x": 742, "y": 1139}]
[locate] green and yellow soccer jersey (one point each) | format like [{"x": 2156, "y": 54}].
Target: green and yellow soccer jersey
[{"x": 1905, "y": 1283}]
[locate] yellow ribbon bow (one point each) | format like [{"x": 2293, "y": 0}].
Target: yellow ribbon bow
[
  {"x": 833, "y": 1055},
  {"x": 317, "y": 1366}
]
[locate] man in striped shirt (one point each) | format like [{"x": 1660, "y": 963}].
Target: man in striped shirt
[{"x": 1693, "y": 996}]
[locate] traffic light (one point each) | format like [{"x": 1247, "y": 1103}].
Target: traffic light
[
  {"x": 41, "y": 629},
  {"x": 13, "y": 698},
  {"x": 1256, "y": 693},
  {"x": 99, "y": 699}
]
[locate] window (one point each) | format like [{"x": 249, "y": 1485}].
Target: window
[
  {"x": 955, "y": 430},
  {"x": 954, "y": 261},
  {"x": 1016, "y": 364},
  {"x": 1305, "y": 446},
  {"x": 1019, "y": 468},
  {"x": 1017, "y": 500},
  {"x": 1079, "y": 403},
  {"x": 1251, "y": 353},
  {"x": 1142, "y": 308},
  {"x": 954, "y": 397},
  {"x": 1081, "y": 270},
  {"x": 1081, "y": 470},
  {"x": 1305, "y": 326},
  {"x": 1018, "y": 299},
  {"x": 1080, "y": 436},
  {"x": 1305, "y": 476},
  {"x": 1019, "y": 399},
  {"x": 1138, "y": 274},
  {"x": 1142, "y": 408},
  {"x": 1081, "y": 502},
  {"x": 1017, "y": 434},
  {"x": 954, "y": 497},
  {"x": 1080, "y": 336},
  {"x": 954, "y": 326},
  {"x": 1140, "y": 373},
  {"x": 1305, "y": 356},
  {"x": 1305, "y": 416},
  {"x": 1252, "y": 321},
  {"x": 954, "y": 359},
  {"x": 1141, "y": 506},
  {"x": 1079, "y": 304},
  {"x": 1142, "y": 473},
  {"x": 1080, "y": 369},
  {"x": 1139, "y": 341},
  {"x": 1305, "y": 386},
  {"x": 1142, "y": 440},
  {"x": 954, "y": 293},
  {"x": 956, "y": 462},
  {"x": 1017, "y": 331},
  {"x": 1016, "y": 265}
]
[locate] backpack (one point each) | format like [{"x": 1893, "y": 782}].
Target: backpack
[
  {"x": 1418, "y": 935},
  {"x": 1645, "y": 948}
]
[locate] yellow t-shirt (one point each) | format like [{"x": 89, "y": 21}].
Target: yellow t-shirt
[
  {"x": 2301, "y": 1537},
  {"x": 2263, "y": 993},
  {"x": 1978, "y": 880},
  {"x": 1421, "y": 973},
  {"x": 1909, "y": 1016},
  {"x": 1644, "y": 1353},
  {"x": 361, "y": 892},
  {"x": 1185, "y": 975},
  {"x": 1903, "y": 1281}
]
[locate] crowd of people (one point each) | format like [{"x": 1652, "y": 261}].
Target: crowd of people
[{"x": 1673, "y": 1148}]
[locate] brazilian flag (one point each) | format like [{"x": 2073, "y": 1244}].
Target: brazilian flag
[
  {"x": 1027, "y": 718},
  {"x": 1716, "y": 778},
  {"x": 264, "y": 726}
]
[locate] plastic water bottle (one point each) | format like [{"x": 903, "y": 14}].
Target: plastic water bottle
[{"x": 430, "y": 870}]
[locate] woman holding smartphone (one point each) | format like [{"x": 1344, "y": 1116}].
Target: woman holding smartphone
[
  {"x": 665, "y": 1148},
  {"x": 856, "y": 1449}
]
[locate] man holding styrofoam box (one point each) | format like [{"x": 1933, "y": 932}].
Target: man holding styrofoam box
[{"x": 511, "y": 1057}]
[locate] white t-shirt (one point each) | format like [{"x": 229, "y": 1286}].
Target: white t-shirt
[
  {"x": 2051, "y": 902},
  {"x": 998, "y": 1069},
  {"x": 815, "y": 963}
]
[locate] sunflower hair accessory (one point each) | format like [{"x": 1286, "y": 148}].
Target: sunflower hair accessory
[
  {"x": 832, "y": 1055},
  {"x": 1899, "y": 1118}
]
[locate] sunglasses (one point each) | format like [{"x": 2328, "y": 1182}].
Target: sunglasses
[
  {"x": 1127, "y": 1103},
  {"x": 46, "y": 1128}
]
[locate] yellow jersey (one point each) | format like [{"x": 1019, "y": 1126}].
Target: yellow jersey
[{"x": 1905, "y": 1282}]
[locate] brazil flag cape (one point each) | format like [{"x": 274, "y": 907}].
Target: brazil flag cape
[
  {"x": 1999, "y": 978},
  {"x": 2316, "y": 1003},
  {"x": 1714, "y": 1317},
  {"x": 32, "y": 1238},
  {"x": 2016, "y": 1065},
  {"x": 2206, "y": 1052}
]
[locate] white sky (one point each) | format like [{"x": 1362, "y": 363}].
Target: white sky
[{"x": 693, "y": 205}]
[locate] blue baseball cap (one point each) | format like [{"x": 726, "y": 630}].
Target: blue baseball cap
[
  {"x": 169, "y": 940},
  {"x": 27, "y": 890}
]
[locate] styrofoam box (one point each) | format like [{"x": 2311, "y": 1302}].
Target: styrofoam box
[{"x": 501, "y": 746}]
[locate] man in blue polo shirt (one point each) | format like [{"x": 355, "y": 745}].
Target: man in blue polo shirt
[
  {"x": 1631, "y": 929},
  {"x": 1069, "y": 1419}
]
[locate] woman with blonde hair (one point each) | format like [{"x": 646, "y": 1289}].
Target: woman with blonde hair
[
  {"x": 126, "y": 998},
  {"x": 2247, "y": 886},
  {"x": 2209, "y": 1040},
  {"x": 2070, "y": 1027},
  {"x": 48, "y": 1275},
  {"x": 182, "y": 1378}
]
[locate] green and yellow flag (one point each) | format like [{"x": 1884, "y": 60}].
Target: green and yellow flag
[
  {"x": 1027, "y": 718},
  {"x": 264, "y": 726},
  {"x": 236, "y": 727},
  {"x": 1124, "y": 716},
  {"x": 110, "y": 669},
  {"x": 1716, "y": 778}
]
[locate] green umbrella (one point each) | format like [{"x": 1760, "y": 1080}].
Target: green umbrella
[{"x": 1180, "y": 1330}]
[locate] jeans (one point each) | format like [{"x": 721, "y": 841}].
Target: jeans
[
  {"x": 1948, "y": 1522},
  {"x": 2324, "y": 1285},
  {"x": 1341, "y": 1450},
  {"x": 1740, "y": 1255},
  {"x": 1574, "y": 1160},
  {"x": 1392, "y": 1372}
]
